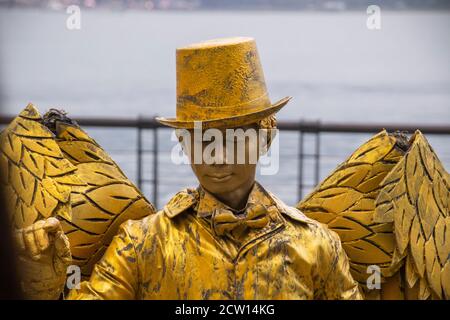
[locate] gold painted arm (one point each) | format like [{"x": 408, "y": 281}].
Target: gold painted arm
[
  {"x": 339, "y": 283},
  {"x": 115, "y": 276}
]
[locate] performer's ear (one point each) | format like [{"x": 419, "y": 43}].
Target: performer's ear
[
  {"x": 268, "y": 131},
  {"x": 184, "y": 138},
  {"x": 266, "y": 137}
]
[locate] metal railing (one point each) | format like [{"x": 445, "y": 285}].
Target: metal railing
[{"x": 302, "y": 127}]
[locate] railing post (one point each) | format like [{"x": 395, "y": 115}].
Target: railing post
[
  {"x": 155, "y": 167},
  {"x": 300, "y": 161},
  {"x": 139, "y": 154},
  {"x": 317, "y": 155}
]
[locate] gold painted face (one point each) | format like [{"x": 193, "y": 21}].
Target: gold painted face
[{"x": 222, "y": 173}]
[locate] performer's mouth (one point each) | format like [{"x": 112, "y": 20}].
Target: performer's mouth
[{"x": 220, "y": 177}]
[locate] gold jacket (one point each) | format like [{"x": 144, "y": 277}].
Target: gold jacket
[{"x": 176, "y": 254}]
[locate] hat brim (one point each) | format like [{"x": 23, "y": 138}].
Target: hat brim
[{"x": 229, "y": 122}]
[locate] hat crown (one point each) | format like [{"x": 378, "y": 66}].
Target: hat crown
[{"x": 219, "y": 78}]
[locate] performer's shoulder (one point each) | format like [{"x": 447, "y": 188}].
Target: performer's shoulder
[
  {"x": 178, "y": 204},
  {"x": 303, "y": 224},
  {"x": 137, "y": 229},
  {"x": 291, "y": 213}
]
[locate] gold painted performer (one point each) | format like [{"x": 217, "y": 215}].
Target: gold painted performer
[{"x": 227, "y": 239}]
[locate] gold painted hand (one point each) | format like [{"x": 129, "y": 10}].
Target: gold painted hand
[{"x": 43, "y": 259}]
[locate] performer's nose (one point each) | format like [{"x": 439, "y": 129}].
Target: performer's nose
[{"x": 218, "y": 156}]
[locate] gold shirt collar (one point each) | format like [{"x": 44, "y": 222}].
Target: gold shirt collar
[{"x": 207, "y": 203}]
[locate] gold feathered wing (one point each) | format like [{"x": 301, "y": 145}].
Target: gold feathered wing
[
  {"x": 415, "y": 197},
  {"x": 107, "y": 199},
  {"x": 68, "y": 176},
  {"x": 37, "y": 179},
  {"x": 358, "y": 201}
]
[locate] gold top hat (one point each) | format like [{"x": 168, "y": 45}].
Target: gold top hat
[{"x": 221, "y": 83}]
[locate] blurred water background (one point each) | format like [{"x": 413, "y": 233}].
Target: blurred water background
[{"x": 122, "y": 64}]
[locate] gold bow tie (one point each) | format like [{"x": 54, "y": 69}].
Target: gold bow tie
[{"x": 224, "y": 220}]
